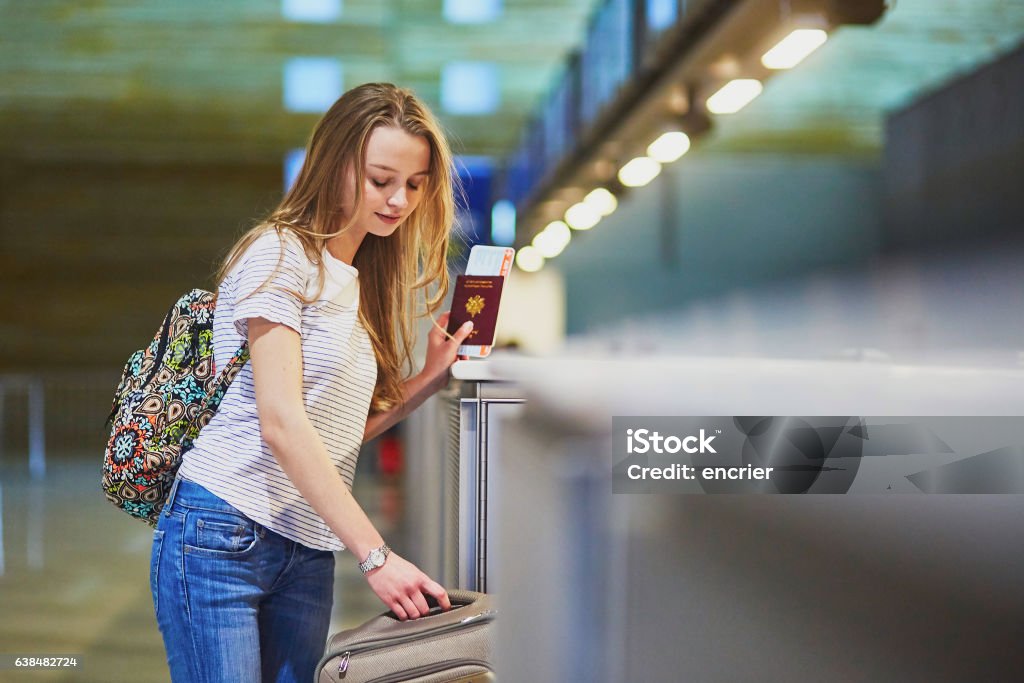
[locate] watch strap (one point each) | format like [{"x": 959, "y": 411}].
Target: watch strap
[{"x": 369, "y": 565}]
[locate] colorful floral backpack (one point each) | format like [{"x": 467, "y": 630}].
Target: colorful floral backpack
[{"x": 167, "y": 393}]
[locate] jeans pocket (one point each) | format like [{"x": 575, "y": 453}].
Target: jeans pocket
[
  {"x": 154, "y": 568},
  {"x": 219, "y": 533}
]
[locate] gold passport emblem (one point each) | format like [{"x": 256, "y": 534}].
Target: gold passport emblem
[{"x": 474, "y": 304}]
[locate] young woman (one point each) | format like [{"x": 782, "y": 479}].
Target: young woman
[{"x": 325, "y": 291}]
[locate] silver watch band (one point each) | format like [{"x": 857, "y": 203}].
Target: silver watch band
[{"x": 375, "y": 559}]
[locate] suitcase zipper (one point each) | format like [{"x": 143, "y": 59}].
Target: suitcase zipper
[
  {"x": 346, "y": 654},
  {"x": 428, "y": 669}
]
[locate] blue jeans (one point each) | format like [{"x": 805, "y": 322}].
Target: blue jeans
[{"x": 234, "y": 600}]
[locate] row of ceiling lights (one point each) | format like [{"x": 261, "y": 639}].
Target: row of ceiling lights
[{"x": 668, "y": 147}]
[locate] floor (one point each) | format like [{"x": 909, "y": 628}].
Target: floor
[{"x": 74, "y": 575}]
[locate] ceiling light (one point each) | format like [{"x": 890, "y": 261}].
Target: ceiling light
[
  {"x": 546, "y": 245},
  {"x": 471, "y": 11},
  {"x": 792, "y": 49},
  {"x": 292, "y": 165},
  {"x": 553, "y": 239},
  {"x": 529, "y": 259},
  {"x": 582, "y": 216},
  {"x": 470, "y": 88},
  {"x": 503, "y": 223},
  {"x": 603, "y": 201},
  {"x": 669, "y": 147},
  {"x": 639, "y": 172},
  {"x": 312, "y": 84},
  {"x": 314, "y": 11},
  {"x": 734, "y": 95}
]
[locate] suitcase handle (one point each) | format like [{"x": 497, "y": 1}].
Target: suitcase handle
[
  {"x": 458, "y": 599},
  {"x": 435, "y": 610}
]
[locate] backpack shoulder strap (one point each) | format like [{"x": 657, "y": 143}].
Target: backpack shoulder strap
[{"x": 213, "y": 399}]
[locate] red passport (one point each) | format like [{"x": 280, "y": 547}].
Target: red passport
[{"x": 476, "y": 298}]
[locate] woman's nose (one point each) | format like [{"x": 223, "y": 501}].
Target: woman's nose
[{"x": 398, "y": 199}]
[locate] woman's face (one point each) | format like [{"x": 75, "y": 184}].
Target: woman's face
[{"x": 397, "y": 166}]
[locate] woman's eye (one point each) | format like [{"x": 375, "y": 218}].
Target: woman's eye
[
  {"x": 377, "y": 183},
  {"x": 413, "y": 187}
]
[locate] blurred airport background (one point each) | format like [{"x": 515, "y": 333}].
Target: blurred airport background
[{"x": 862, "y": 204}]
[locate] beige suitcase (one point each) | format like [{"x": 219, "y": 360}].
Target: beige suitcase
[{"x": 453, "y": 646}]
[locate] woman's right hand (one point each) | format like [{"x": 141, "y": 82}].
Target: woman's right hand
[{"x": 400, "y": 585}]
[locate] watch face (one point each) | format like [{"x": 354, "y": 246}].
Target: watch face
[{"x": 376, "y": 557}]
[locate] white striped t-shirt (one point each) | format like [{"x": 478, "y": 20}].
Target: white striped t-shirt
[{"x": 339, "y": 371}]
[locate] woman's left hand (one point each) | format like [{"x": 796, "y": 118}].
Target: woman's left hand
[{"x": 442, "y": 351}]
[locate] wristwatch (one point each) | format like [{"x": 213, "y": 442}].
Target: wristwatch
[{"x": 375, "y": 559}]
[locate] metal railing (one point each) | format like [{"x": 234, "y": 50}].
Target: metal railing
[{"x": 53, "y": 413}]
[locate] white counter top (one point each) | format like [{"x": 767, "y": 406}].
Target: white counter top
[
  {"x": 477, "y": 370},
  {"x": 589, "y": 389}
]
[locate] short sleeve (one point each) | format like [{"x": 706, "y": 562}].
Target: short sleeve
[{"x": 276, "y": 300}]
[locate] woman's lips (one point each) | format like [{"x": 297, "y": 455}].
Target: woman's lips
[{"x": 390, "y": 220}]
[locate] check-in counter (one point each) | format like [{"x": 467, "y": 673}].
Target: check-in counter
[
  {"x": 452, "y": 442},
  {"x": 599, "y": 587}
]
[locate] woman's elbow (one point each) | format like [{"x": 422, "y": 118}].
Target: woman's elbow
[{"x": 278, "y": 424}]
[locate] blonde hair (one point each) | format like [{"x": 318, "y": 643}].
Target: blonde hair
[{"x": 392, "y": 270}]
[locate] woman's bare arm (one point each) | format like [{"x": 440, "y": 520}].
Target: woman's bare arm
[
  {"x": 417, "y": 389},
  {"x": 276, "y": 357},
  {"x": 441, "y": 353}
]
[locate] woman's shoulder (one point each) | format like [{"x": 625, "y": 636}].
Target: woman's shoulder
[
  {"x": 275, "y": 249},
  {"x": 280, "y": 240}
]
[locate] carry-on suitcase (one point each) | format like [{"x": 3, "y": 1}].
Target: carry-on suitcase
[{"x": 453, "y": 646}]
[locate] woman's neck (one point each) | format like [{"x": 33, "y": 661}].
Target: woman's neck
[{"x": 344, "y": 246}]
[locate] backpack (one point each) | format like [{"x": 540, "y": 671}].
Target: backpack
[{"x": 167, "y": 393}]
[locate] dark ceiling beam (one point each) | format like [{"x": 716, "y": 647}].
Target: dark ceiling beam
[{"x": 115, "y": 133}]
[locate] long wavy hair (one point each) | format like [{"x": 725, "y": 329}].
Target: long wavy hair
[{"x": 402, "y": 277}]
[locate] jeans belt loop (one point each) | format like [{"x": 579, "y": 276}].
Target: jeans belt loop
[{"x": 170, "y": 496}]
